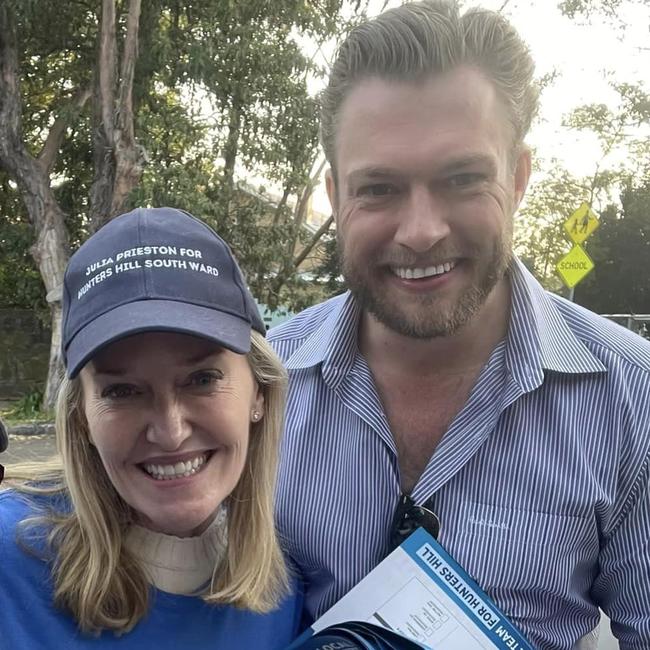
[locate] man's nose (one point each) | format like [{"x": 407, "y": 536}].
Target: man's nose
[
  {"x": 423, "y": 221},
  {"x": 168, "y": 425}
]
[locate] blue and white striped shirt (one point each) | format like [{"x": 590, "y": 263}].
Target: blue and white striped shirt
[{"x": 541, "y": 481}]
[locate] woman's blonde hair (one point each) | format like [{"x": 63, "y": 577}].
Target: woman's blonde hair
[{"x": 95, "y": 576}]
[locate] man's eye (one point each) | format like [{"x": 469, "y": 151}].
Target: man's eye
[
  {"x": 205, "y": 378},
  {"x": 465, "y": 180},
  {"x": 377, "y": 190},
  {"x": 119, "y": 391}
]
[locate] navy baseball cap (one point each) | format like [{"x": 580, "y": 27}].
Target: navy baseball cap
[{"x": 154, "y": 269}]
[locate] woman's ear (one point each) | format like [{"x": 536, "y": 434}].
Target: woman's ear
[{"x": 257, "y": 408}]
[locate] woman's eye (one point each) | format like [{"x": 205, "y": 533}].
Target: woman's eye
[
  {"x": 119, "y": 391},
  {"x": 205, "y": 378}
]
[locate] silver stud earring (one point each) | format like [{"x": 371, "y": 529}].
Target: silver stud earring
[{"x": 256, "y": 416}]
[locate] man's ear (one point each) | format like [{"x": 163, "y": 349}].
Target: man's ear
[
  {"x": 522, "y": 174},
  {"x": 332, "y": 191}
]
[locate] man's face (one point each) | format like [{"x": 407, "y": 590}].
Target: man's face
[{"x": 424, "y": 201}]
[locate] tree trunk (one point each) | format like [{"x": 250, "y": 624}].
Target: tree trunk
[
  {"x": 291, "y": 259},
  {"x": 51, "y": 250},
  {"x": 51, "y": 253},
  {"x": 231, "y": 148},
  {"x": 118, "y": 159}
]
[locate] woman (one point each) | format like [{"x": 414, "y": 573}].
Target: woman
[{"x": 155, "y": 528}]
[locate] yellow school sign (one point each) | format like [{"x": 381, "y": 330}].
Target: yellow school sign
[
  {"x": 576, "y": 264},
  {"x": 581, "y": 224}
]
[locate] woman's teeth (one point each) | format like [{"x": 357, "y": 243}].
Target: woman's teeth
[{"x": 177, "y": 470}]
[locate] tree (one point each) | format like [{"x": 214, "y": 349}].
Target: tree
[
  {"x": 117, "y": 159},
  {"x": 575, "y": 8},
  {"x": 620, "y": 249},
  {"x": 107, "y": 105},
  {"x": 254, "y": 78},
  {"x": 20, "y": 283},
  {"x": 625, "y": 156},
  {"x": 539, "y": 236}
]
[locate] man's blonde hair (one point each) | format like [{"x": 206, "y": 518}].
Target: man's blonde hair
[
  {"x": 416, "y": 40},
  {"x": 95, "y": 576}
]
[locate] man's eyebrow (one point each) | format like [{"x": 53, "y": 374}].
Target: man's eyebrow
[
  {"x": 463, "y": 162},
  {"x": 449, "y": 167},
  {"x": 370, "y": 173}
]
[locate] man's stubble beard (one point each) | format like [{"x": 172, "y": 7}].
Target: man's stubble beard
[{"x": 429, "y": 320}]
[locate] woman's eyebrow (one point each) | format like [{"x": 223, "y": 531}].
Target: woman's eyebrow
[{"x": 204, "y": 356}]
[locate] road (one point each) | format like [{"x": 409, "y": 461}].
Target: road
[
  {"x": 28, "y": 448},
  {"x": 38, "y": 447}
]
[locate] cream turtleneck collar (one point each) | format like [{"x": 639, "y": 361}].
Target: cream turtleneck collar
[{"x": 179, "y": 565}]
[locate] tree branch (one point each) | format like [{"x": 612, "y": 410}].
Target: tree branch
[
  {"x": 281, "y": 205},
  {"x": 129, "y": 58},
  {"x": 307, "y": 191},
  {"x": 300, "y": 258},
  {"x": 54, "y": 138},
  {"x": 118, "y": 159},
  {"x": 10, "y": 113},
  {"x": 107, "y": 68}
]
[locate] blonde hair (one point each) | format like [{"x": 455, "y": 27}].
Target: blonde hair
[
  {"x": 419, "y": 39},
  {"x": 95, "y": 576}
]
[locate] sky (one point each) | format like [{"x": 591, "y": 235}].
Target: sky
[{"x": 583, "y": 54}]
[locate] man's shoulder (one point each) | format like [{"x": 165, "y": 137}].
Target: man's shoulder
[
  {"x": 285, "y": 338},
  {"x": 604, "y": 338}
]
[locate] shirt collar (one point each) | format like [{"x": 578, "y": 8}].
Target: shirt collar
[
  {"x": 333, "y": 343},
  {"x": 539, "y": 338}
]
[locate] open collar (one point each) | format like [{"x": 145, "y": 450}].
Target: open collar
[{"x": 539, "y": 338}]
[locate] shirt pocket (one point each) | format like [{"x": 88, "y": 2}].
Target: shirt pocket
[{"x": 516, "y": 551}]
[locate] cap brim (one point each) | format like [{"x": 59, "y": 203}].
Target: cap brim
[{"x": 225, "y": 329}]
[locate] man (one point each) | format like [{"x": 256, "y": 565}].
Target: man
[{"x": 447, "y": 373}]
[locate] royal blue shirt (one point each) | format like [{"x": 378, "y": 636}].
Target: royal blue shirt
[
  {"x": 541, "y": 481},
  {"x": 29, "y": 621}
]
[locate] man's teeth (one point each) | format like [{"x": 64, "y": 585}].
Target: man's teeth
[
  {"x": 423, "y": 272},
  {"x": 177, "y": 470}
]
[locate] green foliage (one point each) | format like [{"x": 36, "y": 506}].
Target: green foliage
[
  {"x": 620, "y": 248},
  {"x": 539, "y": 235},
  {"x": 220, "y": 94},
  {"x": 586, "y": 8},
  {"x": 614, "y": 128},
  {"x": 625, "y": 157},
  {"x": 27, "y": 408},
  {"x": 20, "y": 281},
  {"x": 329, "y": 269}
]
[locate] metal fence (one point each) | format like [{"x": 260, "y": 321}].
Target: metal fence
[{"x": 639, "y": 323}]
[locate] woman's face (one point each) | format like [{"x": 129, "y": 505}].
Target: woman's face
[{"x": 170, "y": 415}]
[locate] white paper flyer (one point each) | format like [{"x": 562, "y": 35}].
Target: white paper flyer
[{"x": 422, "y": 593}]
